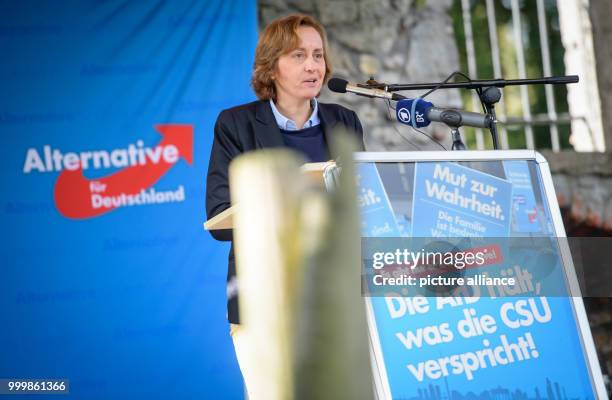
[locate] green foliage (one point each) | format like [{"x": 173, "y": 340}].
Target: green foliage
[
  {"x": 508, "y": 59},
  {"x": 419, "y": 4}
]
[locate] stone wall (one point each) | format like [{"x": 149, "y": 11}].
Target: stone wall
[
  {"x": 391, "y": 40},
  {"x": 600, "y": 12},
  {"x": 583, "y": 184}
]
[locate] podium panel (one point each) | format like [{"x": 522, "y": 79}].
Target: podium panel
[{"x": 526, "y": 336}]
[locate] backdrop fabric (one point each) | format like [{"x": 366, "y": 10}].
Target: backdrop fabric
[{"x": 108, "y": 278}]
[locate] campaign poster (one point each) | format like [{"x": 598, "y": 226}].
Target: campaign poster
[
  {"x": 524, "y": 346},
  {"x": 453, "y": 200}
]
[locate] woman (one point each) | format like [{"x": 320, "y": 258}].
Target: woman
[{"x": 291, "y": 65}]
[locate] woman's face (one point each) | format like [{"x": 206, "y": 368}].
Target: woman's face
[{"x": 299, "y": 73}]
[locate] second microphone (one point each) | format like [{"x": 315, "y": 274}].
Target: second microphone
[{"x": 420, "y": 113}]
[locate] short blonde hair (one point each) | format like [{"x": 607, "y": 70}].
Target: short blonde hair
[{"x": 279, "y": 38}]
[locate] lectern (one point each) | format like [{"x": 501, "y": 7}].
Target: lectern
[
  {"x": 528, "y": 340},
  {"x": 323, "y": 173},
  {"x": 525, "y": 336}
]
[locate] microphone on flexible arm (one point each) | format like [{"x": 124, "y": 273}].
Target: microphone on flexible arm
[
  {"x": 339, "y": 85},
  {"x": 409, "y": 109},
  {"x": 419, "y": 113}
]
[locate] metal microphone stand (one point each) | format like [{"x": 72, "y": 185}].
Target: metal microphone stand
[
  {"x": 489, "y": 96},
  {"x": 488, "y": 91},
  {"x": 484, "y": 83},
  {"x": 457, "y": 142}
]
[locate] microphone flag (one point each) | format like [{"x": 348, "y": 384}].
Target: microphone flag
[{"x": 413, "y": 112}]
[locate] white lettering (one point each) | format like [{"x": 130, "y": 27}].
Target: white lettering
[
  {"x": 33, "y": 161},
  {"x": 53, "y": 160}
]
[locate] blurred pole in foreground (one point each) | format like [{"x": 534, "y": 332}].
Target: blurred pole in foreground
[{"x": 298, "y": 263}]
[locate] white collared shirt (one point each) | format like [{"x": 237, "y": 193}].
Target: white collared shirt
[{"x": 289, "y": 125}]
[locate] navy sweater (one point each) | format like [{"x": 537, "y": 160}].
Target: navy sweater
[{"x": 309, "y": 141}]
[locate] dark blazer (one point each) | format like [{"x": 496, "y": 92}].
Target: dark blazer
[{"x": 248, "y": 127}]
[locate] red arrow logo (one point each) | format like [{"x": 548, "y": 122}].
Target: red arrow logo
[{"x": 73, "y": 191}]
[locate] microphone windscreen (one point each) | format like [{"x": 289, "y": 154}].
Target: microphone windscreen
[
  {"x": 409, "y": 113},
  {"x": 337, "y": 85}
]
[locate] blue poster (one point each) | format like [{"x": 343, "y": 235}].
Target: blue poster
[
  {"x": 377, "y": 218},
  {"x": 527, "y": 214},
  {"x": 480, "y": 348},
  {"x": 108, "y": 280},
  {"x": 452, "y": 200},
  {"x": 514, "y": 347}
]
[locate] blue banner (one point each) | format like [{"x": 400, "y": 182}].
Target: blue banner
[
  {"x": 377, "y": 217},
  {"x": 528, "y": 215},
  {"x": 108, "y": 278},
  {"x": 452, "y": 200},
  {"x": 472, "y": 347}
]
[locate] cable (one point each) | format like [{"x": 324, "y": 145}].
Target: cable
[
  {"x": 478, "y": 90},
  {"x": 427, "y": 94},
  {"x": 389, "y": 108},
  {"x": 448, "y": 78}
]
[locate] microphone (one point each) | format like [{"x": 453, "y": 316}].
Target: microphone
[
  {"x": 419, "y": 113},
  {"x": 342, "y": 86}
]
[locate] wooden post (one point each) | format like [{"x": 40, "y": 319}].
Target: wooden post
[
  {"x": 267, "y": 186},
  {"x": 298, "y": 265}
]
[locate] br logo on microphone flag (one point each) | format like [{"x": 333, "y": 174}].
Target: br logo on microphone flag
[
  {"x": 403, "y": 114},
  {"x": 413, "y": 112}
]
